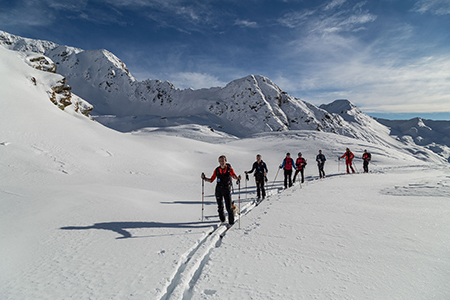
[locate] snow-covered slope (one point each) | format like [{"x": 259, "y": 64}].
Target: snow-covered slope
[{"x": 92, "y": 213}]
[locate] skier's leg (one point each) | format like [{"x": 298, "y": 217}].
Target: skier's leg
[
  {"x": 295, "y": 176},
  {"x": 219, "y": 199},
  {"x": 303, "y": 175},
  {"x": 290, "y": 178},
  {"x": 263, "y": 191},
  {"x": 285, "y": 179},
  {"x": 227, "y": 197},
  {"x": 258, "y": 186}
]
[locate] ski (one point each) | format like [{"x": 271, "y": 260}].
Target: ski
[{"x": 226, "y": 230}]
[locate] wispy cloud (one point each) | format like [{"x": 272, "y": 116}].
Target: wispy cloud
[
  {"x": 194, "y": 80},
  {"x": 25, "y": 13},
  {"x": 245, "y": 23},
  {"x": 182, "y": 15},
  {"x": 387, "y": 71},
  {"x": 328, "y": 20},
  {"x": 437, "y": 7},
  {"x": 296, "y": 19},
  {"x": 333, "y": 4}
]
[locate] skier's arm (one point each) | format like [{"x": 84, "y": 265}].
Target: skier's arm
[
  {"x": 213, "y": 177},
  {"x": 253, "y": 169}
]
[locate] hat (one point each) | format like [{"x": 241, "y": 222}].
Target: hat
[
  {"x": 288, "y": 154},
  {"x": 299, "y": 153}
]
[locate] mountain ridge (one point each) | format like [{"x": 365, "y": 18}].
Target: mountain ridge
[{"x": 244, "y": 107}]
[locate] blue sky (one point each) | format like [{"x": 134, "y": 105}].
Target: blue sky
[{"x": 386, "y": 56}]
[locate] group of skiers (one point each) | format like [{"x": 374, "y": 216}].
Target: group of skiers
[{"x": 224, "y": 174}]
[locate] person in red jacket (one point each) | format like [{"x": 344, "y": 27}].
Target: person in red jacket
[
  {"x": 288, "y": 165},
  {"x": 224, "y": 173},
  {"x": 300, "y": 163},
  {"x": 349, "y": 156}
]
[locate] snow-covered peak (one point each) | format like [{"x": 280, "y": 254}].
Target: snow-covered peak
[
  {"x": 17, "y": 43},
  {"x": 245, "y": 106},
  {"x": 340, "y": 106}
]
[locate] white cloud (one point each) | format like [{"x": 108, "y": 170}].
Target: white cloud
[
  {"x": 296, "y": 19},
  {"x": 245, "y": 23},
  {"x": 333, "y": 4},
  {"x": 194, "y": 80},
  {"x": 416, "y": 85},
  {"x": 327, "y": 20},
  {"x": 437, "y": 7}
]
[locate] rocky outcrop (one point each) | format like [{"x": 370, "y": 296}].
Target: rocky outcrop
[
  {"x": 41, "y": 62},
  {"x": 60, "y": 94}
]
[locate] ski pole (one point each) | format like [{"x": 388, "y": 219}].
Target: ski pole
[
  {"x": 273, "y": 183},
  {"x": 239, "y": 197},
  {"x": 339, "y": 165},
  {"x": 203, "y": 195},
  {"x": 246, "y": 191}
]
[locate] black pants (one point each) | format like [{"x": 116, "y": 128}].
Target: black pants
[
  {"x": 301, "y": 172},
  {"x": 287, "y": 176},
  {"x": 260, "y": 191},
  {"x": 321, "y": 171},
  {"x": 223, "y": 193},
  {"x": 366, "y": 166}
]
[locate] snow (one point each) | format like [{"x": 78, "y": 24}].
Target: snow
[{"x": 92, "y": 213}]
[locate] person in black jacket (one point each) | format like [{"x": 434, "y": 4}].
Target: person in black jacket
[
  {"x": 261, "y": 171},
  {"x": 366, "y": 159},
  {"x": 320, "y": 158}
]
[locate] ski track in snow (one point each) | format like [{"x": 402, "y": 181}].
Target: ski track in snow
[
  {"x": 195, "y": 259},
  {"x": 192, "y": 262}
]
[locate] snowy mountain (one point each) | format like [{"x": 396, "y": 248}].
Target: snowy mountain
[
  {"x": 433, "y": 135},
  {"x": 246, "y": 106}
]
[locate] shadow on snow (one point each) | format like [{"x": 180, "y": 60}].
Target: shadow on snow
[{"x": 123, "y": 227}]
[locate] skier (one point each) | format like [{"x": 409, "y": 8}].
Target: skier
[
  {"x": 366, "y": 158},
  {"x": 261, "y": 171},
  {"x": 287, "y": 165},
  {"x": 320, "y": 158},
  {"x": 300, "y": 163},
  {"x": 224, "y": 173},
  {"x": 349, "y": 156}
]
